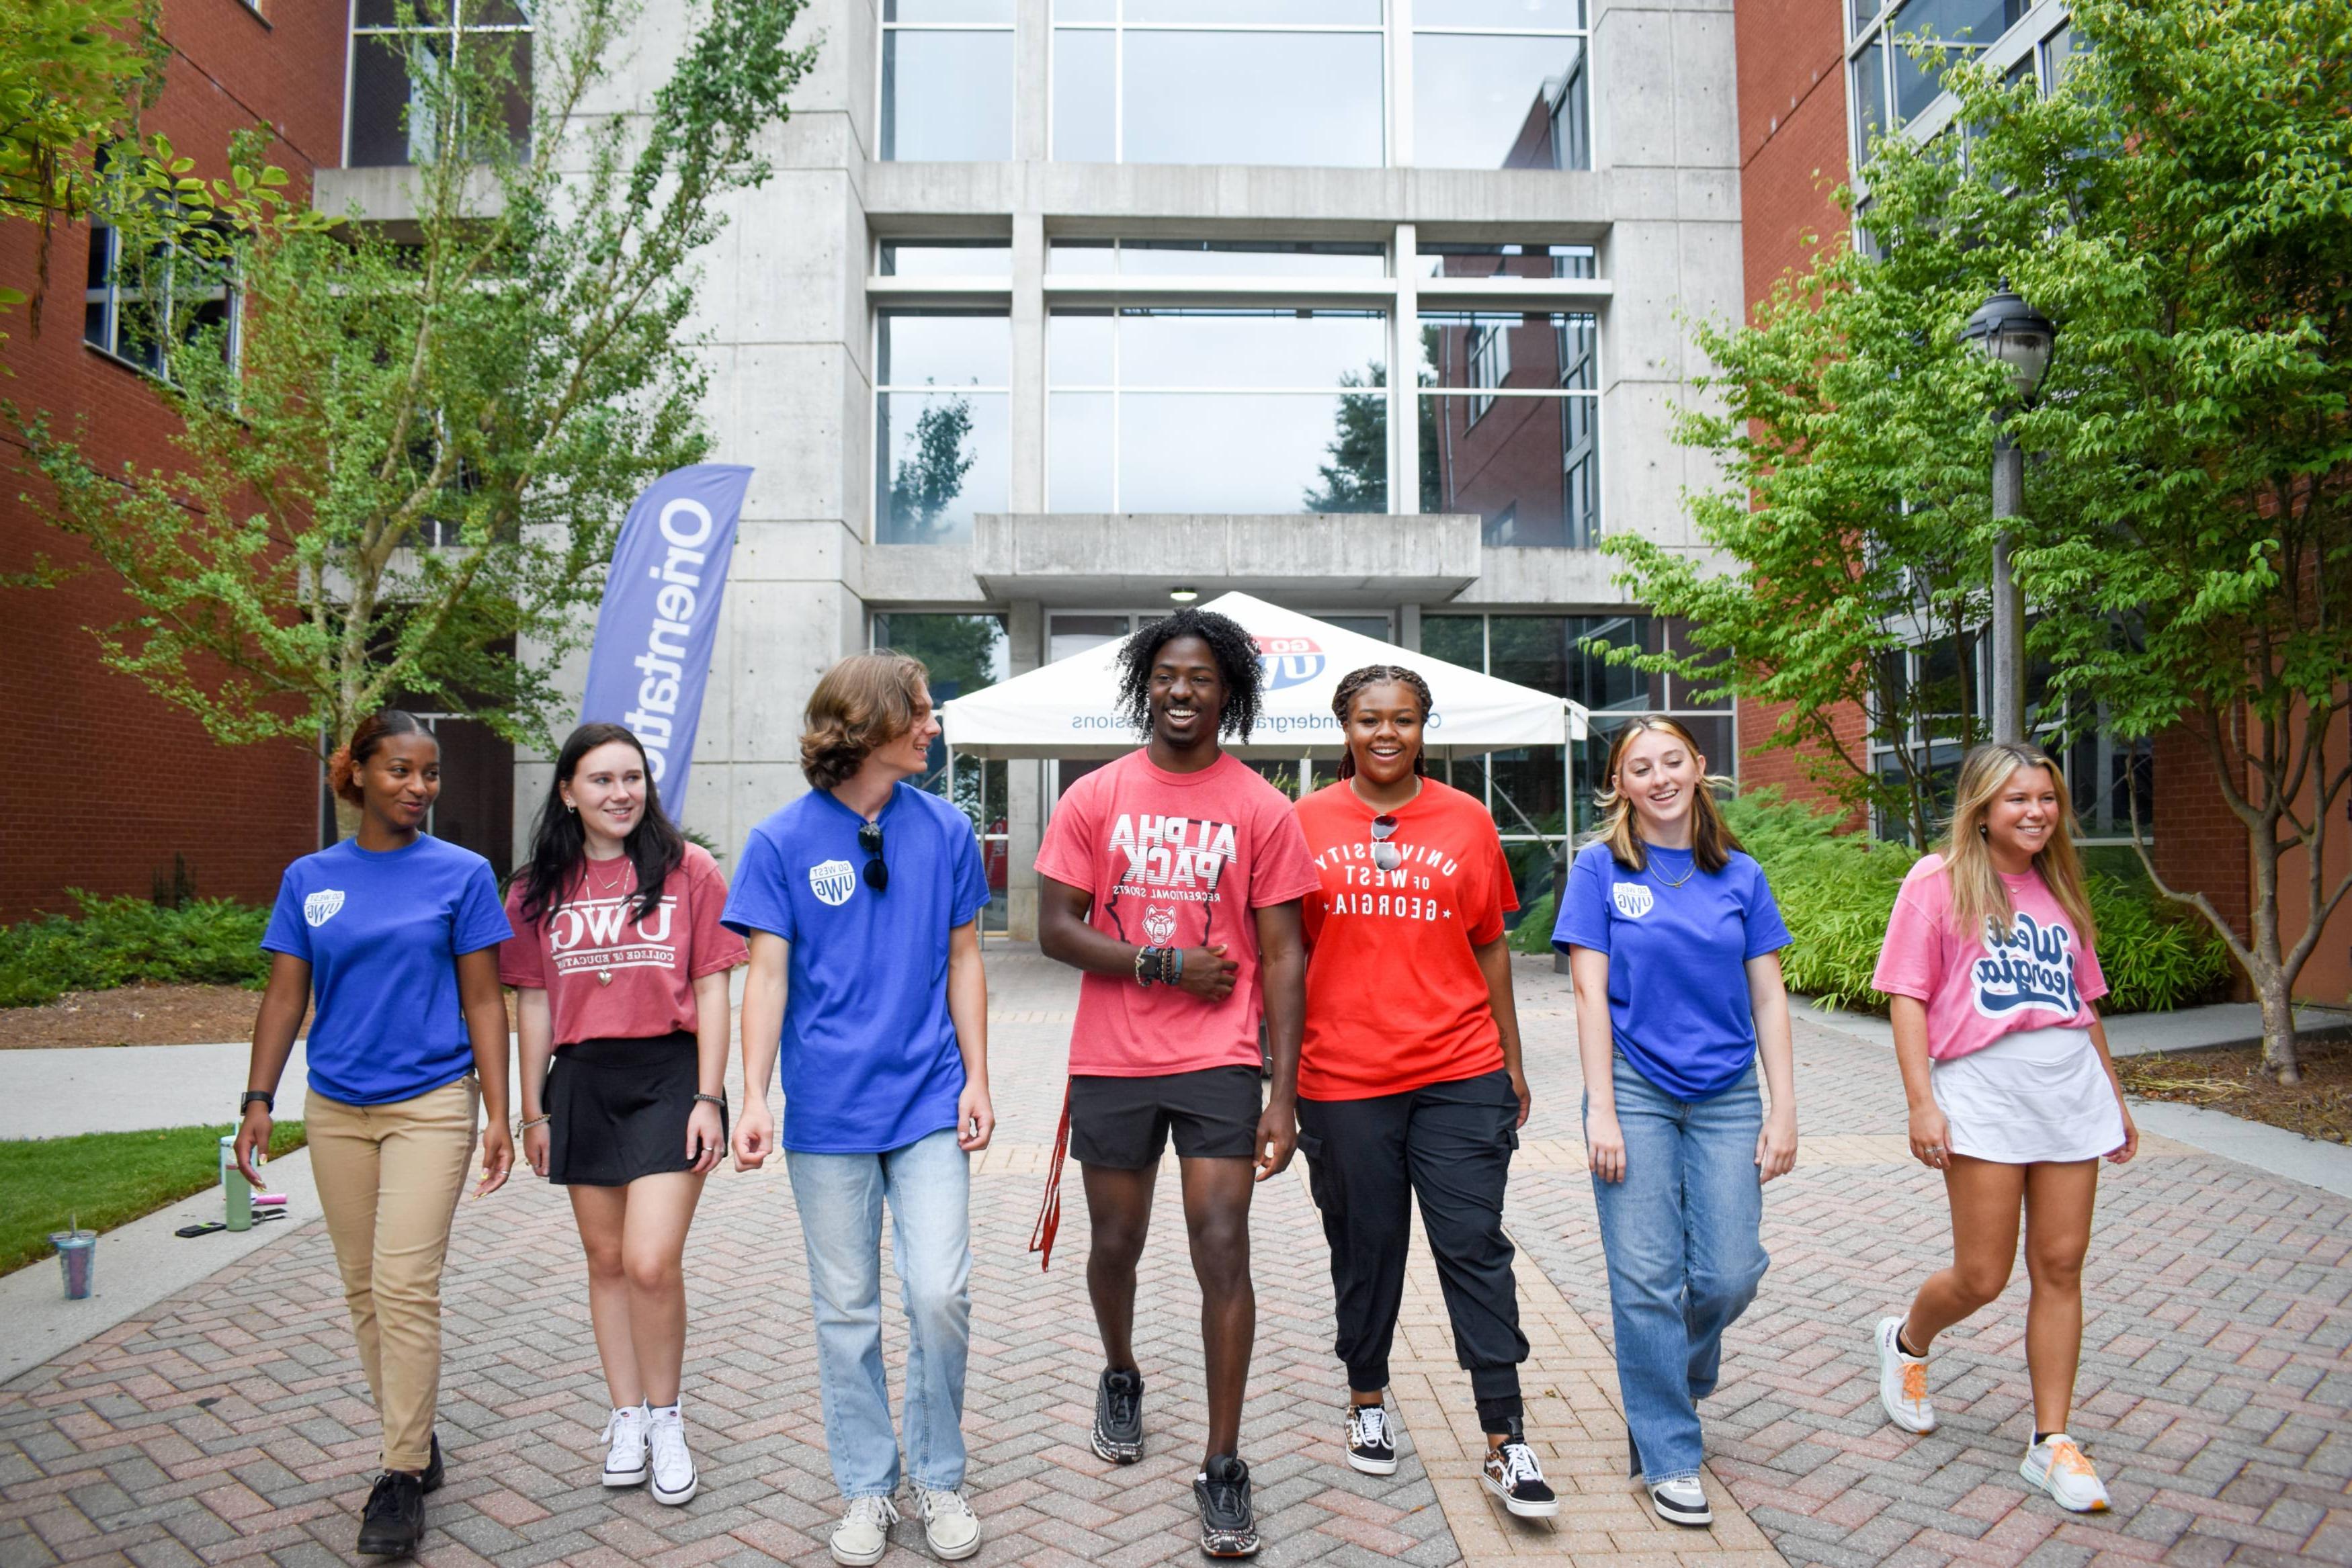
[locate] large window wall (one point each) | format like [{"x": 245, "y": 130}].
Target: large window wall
[
  {"x": 1242, "y": 375},
  {"x": 388, "y": 122},
  {"x": 1449, "y": 84},
  {"x": 1888, "y": 88}
]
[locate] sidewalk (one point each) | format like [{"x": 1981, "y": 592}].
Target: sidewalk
[{"x": 228, "y": 1423}]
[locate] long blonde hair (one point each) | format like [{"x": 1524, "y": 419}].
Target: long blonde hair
[
  {"x": 1979, "y": 898},
  {"x": 1712, "y": 842}
]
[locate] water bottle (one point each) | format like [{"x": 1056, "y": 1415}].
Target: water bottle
[{"x": 236, "y": 1192}]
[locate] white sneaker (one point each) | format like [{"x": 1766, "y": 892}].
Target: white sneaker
[
  {"x": 949, "y": 1523},
  {"x": 1681, "y": 1502},
  {"x": 864, "y": 1534},
  {"x": 625, "y": 1435},
  {"x": 675, "y": 1479},
  {"x": 2060, "y": 1467},
  {"x": 1903, "y": 1381}
]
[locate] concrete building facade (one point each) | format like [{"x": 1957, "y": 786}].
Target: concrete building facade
[{"x": 1055, "y": 307}]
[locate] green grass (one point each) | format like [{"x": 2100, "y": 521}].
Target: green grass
[
  {"x": 106, "y": 1179},
  {"x": 117, "y": 941}
]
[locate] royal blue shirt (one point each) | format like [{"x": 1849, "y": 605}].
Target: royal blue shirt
[
  {"x": 1678, "y": 951},
  {"x": 382, "y": 931},
  {"x": 868, "y": 1059}
]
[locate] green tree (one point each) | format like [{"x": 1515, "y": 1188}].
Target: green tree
[
  {"x": 1357, "y": 478},
  {"x": 73, "y": 76},
  {"x": 423, "y": 453},
  {"x": 930, "y": 477}
]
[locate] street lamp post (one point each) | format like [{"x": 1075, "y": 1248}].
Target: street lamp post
[{"x": 2008, "y": 331}]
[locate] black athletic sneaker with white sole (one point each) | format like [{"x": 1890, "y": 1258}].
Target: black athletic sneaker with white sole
[
  {"x": 1513, "y": 1474},
  {"x": 1228, "y": 1524},
  {"x": 1119, "y": 1417},
  {"x": 1371, "y": 1441}
]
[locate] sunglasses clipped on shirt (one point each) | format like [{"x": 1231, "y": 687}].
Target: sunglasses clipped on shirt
[
  {"x": 1385, "y": 855},
  {"x": 878, "y": 872}
]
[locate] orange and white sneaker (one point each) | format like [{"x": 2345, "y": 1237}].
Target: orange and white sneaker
[
  {"x": 2060, "y": 1467},
  {"x": 1903, "y": 1381}
]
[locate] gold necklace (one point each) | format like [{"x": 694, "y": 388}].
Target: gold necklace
[
  {"x": 1660, "y": 876},
  {"x": 604, "y": 972}
]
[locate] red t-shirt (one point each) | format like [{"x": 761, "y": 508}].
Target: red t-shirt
[
  {"x": 1395, "y": 999},
  {"x": 1173, "y": 860},
  {"x": 610, "y": 976}
]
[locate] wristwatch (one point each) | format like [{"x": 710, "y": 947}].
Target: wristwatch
[{"x": 268, "y": 1101}]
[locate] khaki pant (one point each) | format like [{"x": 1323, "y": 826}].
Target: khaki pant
[{"x": 389, "y": 1177}]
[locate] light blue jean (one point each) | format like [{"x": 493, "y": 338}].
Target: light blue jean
[
  {"x": 1683, "y": 1237},
  {"x": 928, "y": 1185}
]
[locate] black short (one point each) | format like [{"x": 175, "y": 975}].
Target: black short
[
  {"x": 617, "y": 1109},
  {"x": 1123, "y": 1122}
]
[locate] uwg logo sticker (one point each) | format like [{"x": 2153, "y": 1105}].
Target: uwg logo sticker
[
  {"x": 1633, "y": 899},
  {"x": 321, "y": 907},
  {"x": 833, "y": 880},
  {"x": 1290, "y": 661}
]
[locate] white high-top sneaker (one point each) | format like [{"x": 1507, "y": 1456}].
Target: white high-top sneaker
[
  {"x": 675, "y": 1481},
  {"x": 624, "y": 1433}
]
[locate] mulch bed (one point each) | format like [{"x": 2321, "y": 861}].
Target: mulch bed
[
  {"x": 134, "y": 1014},
  {"x": 2234, "y": 1080}
]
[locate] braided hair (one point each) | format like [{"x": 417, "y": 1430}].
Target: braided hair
[
  {"x": 1235, "y": 651},
  {"x": 1354, "y": 682}
]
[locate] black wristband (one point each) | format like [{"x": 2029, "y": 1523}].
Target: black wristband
[{"x": 268, "y": 1101}]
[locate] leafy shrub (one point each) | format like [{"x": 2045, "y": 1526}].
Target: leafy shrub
[
  {"x": 121, "y": 941},
  {"x": 1533, "y": 932}
]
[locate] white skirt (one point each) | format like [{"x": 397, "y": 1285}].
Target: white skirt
[{"x": 2037, "y": 1095}]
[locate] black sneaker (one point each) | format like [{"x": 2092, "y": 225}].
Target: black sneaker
[
  {"x": 1513, "y": 1475},
  {"x": 1119, "y": 1417},
  {"x": 1372, "y": 1442},
  {"x": 393, "y": 1526},
  {"x": 431, "y": 1479},
  {"x": 1228, "y": 1527}
]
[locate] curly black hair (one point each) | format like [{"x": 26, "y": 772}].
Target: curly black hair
[{"x": 1235, "y": 650}]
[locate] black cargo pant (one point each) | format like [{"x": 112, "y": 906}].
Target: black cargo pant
[{"x": 1449, "y": 1143}]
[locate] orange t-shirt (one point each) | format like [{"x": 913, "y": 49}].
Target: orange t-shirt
[{"x": 1395, "y": 999}]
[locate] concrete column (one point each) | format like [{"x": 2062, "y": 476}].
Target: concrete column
[
  {"x": 1404, "y": 352},
  {"x": 1026, "y": 419},
  {"x": 1409, "y": 628},
  {"x": 1033, "y": 24},
  {"x": 1025, "y": 817}
]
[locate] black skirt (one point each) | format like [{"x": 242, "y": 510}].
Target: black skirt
[{"x": 618, "y": 1109}]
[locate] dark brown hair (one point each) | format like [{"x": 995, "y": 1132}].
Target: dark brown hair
[
  {"x": 865, "y": 701},
  {"x": 1352, "y": 684},
  {"x": 367, "y": 737},
  {"x": 559, "y": 844}
]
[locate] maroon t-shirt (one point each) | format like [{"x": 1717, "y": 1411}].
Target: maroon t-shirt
[{"x": 610, "y": 975}]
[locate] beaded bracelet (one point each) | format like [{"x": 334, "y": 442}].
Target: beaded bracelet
[{"x": 1172, "y": 966}]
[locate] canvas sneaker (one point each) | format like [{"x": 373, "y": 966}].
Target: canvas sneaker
[
  {"x": 1228, "y": 1524},
  {"x": 625, "y": 1461},
  {"x": 1119, "y": 1417},
  {"x": 675, "y": 1481},
  {"x": 1681, "y": 1502},
  {"x": 1372, "y": 1442},
  {"x": 949, "y": 1523},
  {"x": 864, "y": 1534},
  {"x": 2059, "y": 1466},
  {"x": 1513, "y": 1474},
  {"x": 1903, "y": 1381}
]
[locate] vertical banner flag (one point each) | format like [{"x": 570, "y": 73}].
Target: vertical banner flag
[{"x": 654, "y": 634}]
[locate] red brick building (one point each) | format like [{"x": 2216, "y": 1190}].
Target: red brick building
[
  {"x": 1799, "y": 62},
  {"x": 108, "y": 784}
]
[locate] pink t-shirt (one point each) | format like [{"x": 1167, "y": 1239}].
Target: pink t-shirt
[
  {"x": 610, "y": 976},
  {"x": 1979, "y": 988},
  {"x": 1173, "y": 860}
]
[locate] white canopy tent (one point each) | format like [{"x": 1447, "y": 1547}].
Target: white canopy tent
[{"x": 1068, "y": 709}]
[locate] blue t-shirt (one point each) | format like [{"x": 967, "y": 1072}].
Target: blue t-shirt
[
  {"x": 868, "y": 1059},
  {"x": 1677, "y": 960},
  {"x": 382, "y": 931}
]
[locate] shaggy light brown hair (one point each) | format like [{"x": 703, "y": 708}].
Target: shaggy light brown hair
[{"x": 867, "y": 700}]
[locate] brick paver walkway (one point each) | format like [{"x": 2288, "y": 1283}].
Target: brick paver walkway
[{"x": 229, "y": 1424}]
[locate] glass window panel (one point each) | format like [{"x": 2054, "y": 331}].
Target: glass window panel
[
  {"x": 1179, "y": 347},
  {"x": 1546, "y": 349},
  {"x": 1085, "y": 92},
  {"x": 1715, "y": 742},
  {"x": 940, "y": 457},
  {"x": 1448, "y": 260},
  {"x": 1489, "y": 102},
  {"x": 1271, "y": 452},
  {"x": 97, "y": 291},
  {"x": 1918, "y": 81},
  {"x": 1516, "y": 14},
  {"x": 1526, "y": 465},
  {"x": 1079, "y": 450},
  {"x": 1372, "y": 626},
  {"x": 1253, "y": 258},
  {"x": 947, "y": 96},
  {"x": 1861, "y": 13},
  {"x": 1071, "y": 635},
  {"x": 1078, "y": 349},
  {"x": 1457, "y": 639},
  {"x": 1683, "y": 693},
  {"x": 1095, "y": 258},
  {"x": 1955, "y": 21},
  {"x": 1869, "y": 97},
  {"x": 1258, "y": 13},
  {"x": 947, "y": 258},
  {"x": 1301, "y": 98},
  {"x": 498, "y": 13},
  {"x": 1530, "y": 794},
  {"x": 380, "y": 14},
  {"x": 943, "y": 349},
  {"x": 1085, "y": 10},
  {"x": 380, "y": 132},
  {"x": 964, "y": 653},
  {"x": 948, "y": 11}
]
